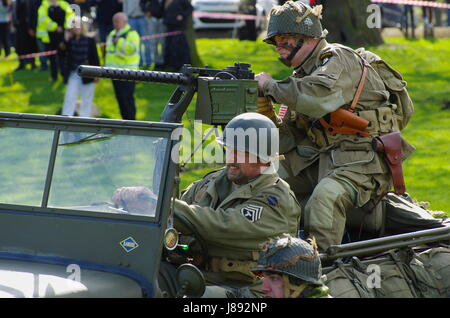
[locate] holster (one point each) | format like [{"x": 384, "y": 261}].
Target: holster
[{"x": 391, "y": 145}]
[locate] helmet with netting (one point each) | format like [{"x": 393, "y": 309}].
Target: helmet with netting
[
  {"x": 292, "y": 256},
  {"x": 295, "y": 18}
]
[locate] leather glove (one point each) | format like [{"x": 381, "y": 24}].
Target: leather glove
[{"x": 265, "y": 107}]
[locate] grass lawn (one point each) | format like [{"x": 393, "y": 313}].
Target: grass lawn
[{"x": 423, "y": 63}]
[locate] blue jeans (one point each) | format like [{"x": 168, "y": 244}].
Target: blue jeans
[
  {"x": 141, "y": 26},
  {"x": 42, "y": 59},
  {"x": 157, "y": 26}
]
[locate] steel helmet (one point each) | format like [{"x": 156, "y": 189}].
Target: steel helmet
[
  {"x": 295, "y": 18},
  {"x": 292, "y": 256},
  {"x": 253, "y": 133}
]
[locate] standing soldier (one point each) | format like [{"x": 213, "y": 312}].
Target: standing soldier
[
  {"x": 122, "y": 51},
  {"x": 337, "y": 104},
  {"x": 291, "y": 268}
]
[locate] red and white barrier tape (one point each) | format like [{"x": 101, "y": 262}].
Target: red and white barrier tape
[
  {"x": 222, "y": 15},
  {"x": 53, "y": 52},
  {"x": 431, "y": 4},
  {"x": 160, "y": 35}
]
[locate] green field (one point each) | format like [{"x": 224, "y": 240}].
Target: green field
[{"x": 424, "y": 64}]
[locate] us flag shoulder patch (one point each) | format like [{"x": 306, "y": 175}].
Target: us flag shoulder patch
[{"x": 252, "y": 212}]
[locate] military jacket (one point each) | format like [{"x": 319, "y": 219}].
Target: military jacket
[
  {"x": 327, "y": 80},
  {"x": 234, "y": 221}
]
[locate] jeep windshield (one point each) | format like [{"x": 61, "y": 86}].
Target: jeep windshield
[{"x": 79, "y": 168}]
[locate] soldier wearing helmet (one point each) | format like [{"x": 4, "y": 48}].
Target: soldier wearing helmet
[
  {"x": 291, "y": 268},
  {"x": 336, "y": 103},
  {"x": 237, "y": 208}
]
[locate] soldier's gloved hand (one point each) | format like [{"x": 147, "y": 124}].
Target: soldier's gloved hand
[
  {"x": 135, "y": 199},
  {"x": 265, "y": 107}
]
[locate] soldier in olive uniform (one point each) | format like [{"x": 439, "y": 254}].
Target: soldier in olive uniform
[
  {"x": 330, "y": 169},
  {"x": 235, "y": 209},
  {"x": 240, "y": 207}
]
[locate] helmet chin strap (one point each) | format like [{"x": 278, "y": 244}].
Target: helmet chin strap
[{"x": 288, "y": 60}]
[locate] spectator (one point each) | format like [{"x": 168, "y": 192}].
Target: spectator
[
  {"x": 33, "y": 21},
  {"x": 154, "y": 11},
  {"x": 77, "y": 49},
  {"x": 138, "y": 22},
  {"x": 5, "y": 6},
  {"x": 53, "y": 17},
  {"x": 177, "y": 50},
  {"x": 122, "y": 51},
  {"x": 24, "y": 42},
  {"x": 84, "y": 6},
  {"x": 448, "y": 14},
  {"x": 427, "y": 14},
  {"x": 248, "y": 31},
  {"x": 104, "y": 14},
  {"x": 408, "y": 15}
]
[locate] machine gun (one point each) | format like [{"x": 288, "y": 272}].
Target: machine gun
[
  {"x": 382, "y": 244},
  {"x": 222, "y": 94}
]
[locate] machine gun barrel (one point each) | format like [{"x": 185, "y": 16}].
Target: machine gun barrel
[
  {"x": 121, "y": 74},
  {"x": 386, "y": 243}
]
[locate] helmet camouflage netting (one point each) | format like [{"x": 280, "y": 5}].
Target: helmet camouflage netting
[
  {"x": 292, "y": 256},
  {"x": 295, "y": 18}
]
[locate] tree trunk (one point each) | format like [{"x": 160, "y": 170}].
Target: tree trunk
[
  {"x": 190, "y": 35},
  {"x": 346, "y": 22}
]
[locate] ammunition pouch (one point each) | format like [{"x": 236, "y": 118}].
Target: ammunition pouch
[
  {"x": 391, "y": 145},
  {"x": 349, "y": 281},
  {"x": 403, "y": 273},
  {"x": 265, "y": 107}
]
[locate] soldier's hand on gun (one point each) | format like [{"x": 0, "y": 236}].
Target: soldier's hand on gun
[
  {"x": 139, "y": 200},
  {"x": 262, "y": 78}
]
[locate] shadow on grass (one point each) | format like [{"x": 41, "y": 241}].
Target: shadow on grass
[{"x": 44, "y": 94}]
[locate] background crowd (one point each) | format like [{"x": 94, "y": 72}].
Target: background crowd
[{"x": 39, "y": 25}]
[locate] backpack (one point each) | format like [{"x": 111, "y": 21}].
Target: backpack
[{"x": 394, "y": 83}]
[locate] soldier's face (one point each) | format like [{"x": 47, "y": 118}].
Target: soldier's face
[
  {"x": 241, "y": 166},
  {"x": 273, "y": 285},
  {"x": 284, "y": 44}
]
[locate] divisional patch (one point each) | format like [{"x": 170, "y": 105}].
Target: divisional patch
[
  {"x": 273, "y": 201},
  {"x": 252, "y": 212},
  {"x": 325, "y": 58},
  {"x": 129, "y": 244}
]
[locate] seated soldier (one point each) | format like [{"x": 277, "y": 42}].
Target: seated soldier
[
  {"x": 291, "y": 268},
  {"x": 239, "y": 207}
]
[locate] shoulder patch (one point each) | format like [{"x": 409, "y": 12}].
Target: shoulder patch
[
  {"x": 273, "y": 201},
  {"x": 325, "y": 58},
  {"x": 252, "y": 212}
]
